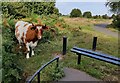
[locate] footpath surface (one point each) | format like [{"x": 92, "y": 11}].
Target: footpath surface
[
  {"x": 76, "y": 75},
  {"x": 102, "y": 28}
]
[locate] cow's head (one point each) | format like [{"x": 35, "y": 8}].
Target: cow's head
[{"x": 39, "y": 29}]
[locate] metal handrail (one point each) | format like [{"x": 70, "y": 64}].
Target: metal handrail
[{"x": 41, "y": 68}]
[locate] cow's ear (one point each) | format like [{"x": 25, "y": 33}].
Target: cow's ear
[
  {"x": 33, "y": 24},
  {"x": 33, "y": 27},
  {"x": 44, "y": 27}
]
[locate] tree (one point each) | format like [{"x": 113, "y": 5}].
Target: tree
[
  {"x": 116, "y": 21},
  {"x": 115, "y": 8},
  {"x": 105, "y": 16},
  {"x": 87, "y": 14},
  {"x": 75, "y": 13},
  {"x": 113, "y": 16}
]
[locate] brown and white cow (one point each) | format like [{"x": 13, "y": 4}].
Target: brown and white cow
[{"x": 28, "y": 34}]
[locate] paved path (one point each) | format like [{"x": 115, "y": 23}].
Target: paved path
[
  {"x": 102, "y": 28},
  {"x": 76, "y": 75}
]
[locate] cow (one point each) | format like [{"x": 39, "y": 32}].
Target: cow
[{"x": 28, "y": 34}]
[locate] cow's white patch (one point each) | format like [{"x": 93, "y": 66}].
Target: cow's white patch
[
  {"x": 33, "y": 53},
  {"x": 21, "y": 30},
  {"x": 32, "y": 45},
  {"x": 27, "y": 56},
  {"x": 39, "y": 32}
]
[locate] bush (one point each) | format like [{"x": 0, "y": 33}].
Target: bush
[
  {"x": 12, "y": 71},
  {"x": 75, "y": 13},
  {"x": 105, "y": 16},
  {"x": 21, "y": 10},
  {"x": 87, "y": 14},
  {"x": 116, "y": 21},
  {"x": 113, "y": 16}
]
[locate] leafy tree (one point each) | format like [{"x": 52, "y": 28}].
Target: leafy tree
[
  {"x": 113, "y": 16},
  {"x": 96, "y": 16},
  {"x": 115, "y": 8},
  {"x": 87, "y": 14},
  {"x": 105, "y": 16},
  {"x": 75, "y": 13},
  {"x": 116, "y": 21}
]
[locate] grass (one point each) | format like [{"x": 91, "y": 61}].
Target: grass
[
  {"x": 79, "y": 33},
  {"x": 0, "y": 58},
  {"x": 83, "y": 39}
]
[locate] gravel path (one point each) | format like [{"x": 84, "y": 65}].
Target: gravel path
[
  {"x": 102, "y": 28},
  {"x": 76, "y": 75}
]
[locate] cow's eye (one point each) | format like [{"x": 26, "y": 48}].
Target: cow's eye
[{"x": 33, "y": 28}]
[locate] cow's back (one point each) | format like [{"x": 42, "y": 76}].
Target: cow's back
[{"x": 21, "y": 28}]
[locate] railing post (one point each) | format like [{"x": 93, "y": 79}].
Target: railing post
[
  {"x": 64, "y": 45},
  {"x": 79, "y": 58},
  {"x": 38, "y": 77},
  {"x": 94, "y": 43}
]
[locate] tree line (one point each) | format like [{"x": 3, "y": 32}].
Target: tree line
[{"x": 77, "y": 13}]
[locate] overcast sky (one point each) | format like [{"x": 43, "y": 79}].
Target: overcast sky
[{"x": 97, "y": 8}]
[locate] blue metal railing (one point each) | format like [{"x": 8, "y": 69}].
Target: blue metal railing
[{"x": 41, "y": 68}]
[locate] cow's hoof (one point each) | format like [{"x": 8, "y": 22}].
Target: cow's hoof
[{"x": 27, "y": 57}]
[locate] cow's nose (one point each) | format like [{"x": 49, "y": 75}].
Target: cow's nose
[{"x": 39, "y": 37}]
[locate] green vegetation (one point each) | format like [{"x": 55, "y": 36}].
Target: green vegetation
[
  {"x": 25, "y": 9},
  {"x": 75, "y": 13},
  {"x": 10, "y": 67},
  {"x": 115, "y": 8},
  {"x": 15, "y": 66},
  {"x": 105, "y": 16},
  {"x": 87, "y": 14},
  {"x": 116, "y": 21},
  {"x": 83, "y": 38}
]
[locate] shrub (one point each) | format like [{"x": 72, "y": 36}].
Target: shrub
[
  {"x": 12, "y": 71},
  {"x": 105, "y": 16},
  {"x": 113, "y": 16},
  {"x": 87, "y": 14},
  {"x": 76, "y": 13},
  {"x": 116, "y": 21}
]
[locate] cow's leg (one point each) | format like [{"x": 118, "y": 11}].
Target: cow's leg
[
  {"x": 28, "y": 50},
  {"x": 20, "y": 43},
  {"x": 33, "y": 52},
  {"x": 33, "y": 46}
]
